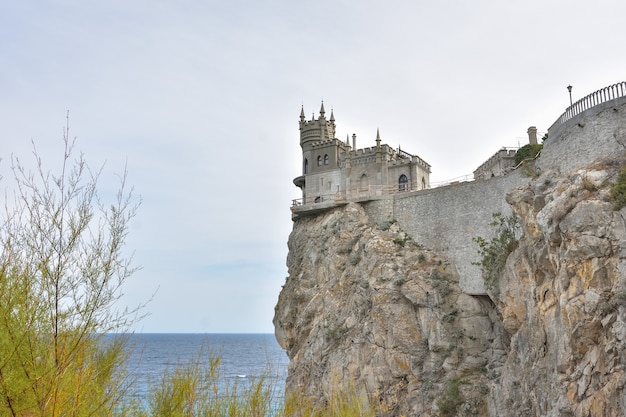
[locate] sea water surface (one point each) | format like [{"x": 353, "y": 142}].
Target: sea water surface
[{"x": 243, "y": 358}]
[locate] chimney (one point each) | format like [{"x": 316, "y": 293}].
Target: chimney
[
  {"x": 532, "y": 135},
  {"x": 354, "y": 141}
]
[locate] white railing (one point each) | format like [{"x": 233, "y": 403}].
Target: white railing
[
  {"x": 597, "y": 97},
  {"x": 462, "y": 178},
  {"x": 352, "y": 195}
]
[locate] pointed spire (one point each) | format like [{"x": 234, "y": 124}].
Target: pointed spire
[
  {"x": 322, "y": 111},
  {"x": 348, "y": 139},
  {"x": 302, "y": 114},
  {"x": 377, "y": 137},
  {"x": 332, "y": 115}
]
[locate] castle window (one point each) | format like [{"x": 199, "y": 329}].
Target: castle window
[
  {"x": 364, "y": 183},
  {"x": 403, "y": 183},
  {"x": 326, "y": 159},
  {"x": 306, "y": 166},
  {"x": 423, "y": 183},
  {"x": 319, "y": 161}
]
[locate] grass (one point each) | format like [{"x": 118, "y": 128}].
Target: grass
[{"x": 198, "y": 389}]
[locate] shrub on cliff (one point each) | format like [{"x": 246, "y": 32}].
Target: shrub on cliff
[
  {"x": 495, "y": 250},
  {"x": 528, "y": 151},
  {"x": 618, "y": 190}
]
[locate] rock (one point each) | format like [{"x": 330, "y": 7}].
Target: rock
[{"x": 366, "y": 306}]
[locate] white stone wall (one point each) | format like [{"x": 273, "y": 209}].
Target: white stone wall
[
  {"x": 447, "y": 218},
  {"x": 594, "y": 134}
]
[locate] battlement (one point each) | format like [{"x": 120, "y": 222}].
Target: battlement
[
  {"x": 594, "y": 133},
  {"x": 324, "y": 142},
  {"x": 500, "y": 163},
  {"x": 334, "y": 171}
]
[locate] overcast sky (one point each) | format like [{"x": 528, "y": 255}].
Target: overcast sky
[{"x": 201, "y": 100}]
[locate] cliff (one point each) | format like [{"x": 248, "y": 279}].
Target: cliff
[{"x": 368, "y": 306}]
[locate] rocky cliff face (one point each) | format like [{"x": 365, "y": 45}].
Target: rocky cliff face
[{"x": 368, "y": 308}]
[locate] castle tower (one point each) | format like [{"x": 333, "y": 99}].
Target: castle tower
[
  {"x": 333, "y": 171},
  {"x": 320, "y": 153}
]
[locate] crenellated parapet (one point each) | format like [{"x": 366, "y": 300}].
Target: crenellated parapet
[
  {"x": 334, "y": 171},
  {"x": 319, "y": 129}
]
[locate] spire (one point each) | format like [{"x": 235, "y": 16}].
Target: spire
[
  {"x": 322, "y": 111},
  {"x": 379, "y": 157},
  {"x": 302, "y": 114},
  {"x": 332, "y": 116}
]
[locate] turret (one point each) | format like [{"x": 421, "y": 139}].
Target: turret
[
  {"x": 378, "y": 150},
  {"x": 532, "y": 135},
  {"x": 316, "y": 130}
]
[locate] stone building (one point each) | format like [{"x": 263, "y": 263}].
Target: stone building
[
  {"x": 334, "y": 171},
  {"x": 503, "y": 161}
]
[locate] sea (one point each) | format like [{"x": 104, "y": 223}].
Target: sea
[{"x": 244, "y": 358}]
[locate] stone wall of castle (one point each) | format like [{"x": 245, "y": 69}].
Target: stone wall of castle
[
  {"x": 586, "y": 137},
  {"x": 447, "y": 218}
]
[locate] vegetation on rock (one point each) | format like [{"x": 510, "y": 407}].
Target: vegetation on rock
[
  {"x": 528, "y": 151},
  {"x": 618, "y": 190},
  {"x": 494, "y": 251}
]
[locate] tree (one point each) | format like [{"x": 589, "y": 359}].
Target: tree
[
  {"x": 62, "y": 265},
  {"x": 528, "y": 151}
]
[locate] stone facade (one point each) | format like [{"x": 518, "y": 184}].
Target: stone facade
[
  {"x": 382, "y": 298},
  {"x": 336, "y": 171},
  {"x": 503, "y": 161},
  {"x": 447, "y": 218}
]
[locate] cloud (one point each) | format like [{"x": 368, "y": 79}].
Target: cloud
[{"x": 200, "y": 101}]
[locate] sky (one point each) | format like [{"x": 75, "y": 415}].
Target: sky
[{"x": 200, "y": 101}]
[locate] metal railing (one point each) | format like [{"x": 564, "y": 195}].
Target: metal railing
[
  {"x": 453, "y": 181},
  {"x": 372, "y": 191},
  {"x": 597, "y": 97},
  {"x": 353, "y": 195}
]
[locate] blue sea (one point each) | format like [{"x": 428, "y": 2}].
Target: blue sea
[{"x": 243, "y": 358}]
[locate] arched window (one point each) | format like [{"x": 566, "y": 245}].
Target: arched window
[
  {"x": 306, "y": 166},
  {"x": 319, "y": 161},
  {"x": 423, "y": 183},
  {"x": 326, "y": 159},
  {"x": 403, "y": 183},
  {"x": 363, "y": 183}
]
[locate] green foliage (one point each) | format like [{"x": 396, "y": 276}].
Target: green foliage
[
  {"x": 62, "y": 266},
  {"x": 198, "y": 389},
  {"x": 61, "y": 270},
  {"x": 617, "y": 194},
  {"x": 401, "y": 242},
  {"x": 451, "y": 399},
  {"x": 338, "y": 403},
  {"x": 494, "y": 251},
  {"x": 528, "y": 151}
]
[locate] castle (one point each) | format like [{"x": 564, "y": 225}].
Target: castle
[
  {"x": 503, "y": 161},
  {"x": 333, "y": 171},
  {"x": 447, "y": 218}
]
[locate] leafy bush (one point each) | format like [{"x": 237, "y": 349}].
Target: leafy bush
[
  {"x": 61, "y": 270},
  {"x": 618, "y": 190},
  {"x": 494, "y": 252},
  {"x": 451, "y": 399},
  {"x": 528, "y": 151}
]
